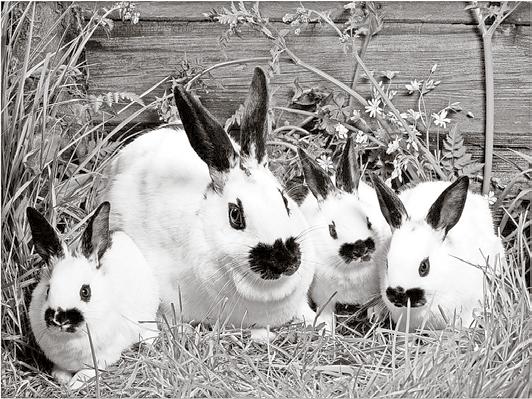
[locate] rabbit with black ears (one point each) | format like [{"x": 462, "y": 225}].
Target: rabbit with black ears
[
  {"x": 212, "y": 219},
  {"x": 348, "y": 232},
  {"x": 104, "y": 288},
  {"x": 442, "y": 244}
]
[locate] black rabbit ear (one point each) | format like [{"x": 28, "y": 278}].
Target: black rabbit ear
[
  {"x": 45, "y": 239},
  {"x": 317, "y": 179},
  {"x": 446, "y": 211},
  {"x": 96, "y": 237},
  {"x": 392, "y": 208},
  {"x": 347, "y": 172},
  {"x": 206, "y": 136},
  {"x": 254, "y": 126}
]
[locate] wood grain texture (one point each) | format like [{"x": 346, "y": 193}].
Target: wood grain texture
[
  {"x": 402, "y": 11},
  {"x": 135, "y": 57}
]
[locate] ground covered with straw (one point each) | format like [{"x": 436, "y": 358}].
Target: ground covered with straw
[{"x": 54, "y": 157}]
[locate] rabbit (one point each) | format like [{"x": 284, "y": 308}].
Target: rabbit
[
  {"x": 442, "y": 243},
  {"x": 212, "y": 219},
  {"x": 104, "y": 287},
  {"x": 348, "y": 232}
]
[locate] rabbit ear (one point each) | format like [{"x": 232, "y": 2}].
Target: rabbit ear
[
  {"x": 45, "y": 239},
  {"x": 392, "y": 208},
  {"x": 96, "y": 237},
  {"x": 348, "y": 173},
  {"x": 206, "y": 136},
  {"x": 445, "y": 212},
  {"x": 254, "y": 125},
  {"x": 316, "y": 178}
]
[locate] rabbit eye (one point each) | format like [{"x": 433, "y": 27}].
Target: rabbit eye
[
  {"x": 285, "y": 203},
  {"x": 47, "y": 291},
  {"x": 368, "y": 223},
  {"x": 424, "y": 267},
  {"x": 332, "y": 230},
  {"x": 236, "y": 215},
  {"x": 85, "y": 293}
]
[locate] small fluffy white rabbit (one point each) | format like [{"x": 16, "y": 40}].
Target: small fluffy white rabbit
[
  {"x": 348, "y": 232},
  {"x": 442, "y": 239},
  {"x": 213, "y": 220},
  {"x": 104, "y": 287}
]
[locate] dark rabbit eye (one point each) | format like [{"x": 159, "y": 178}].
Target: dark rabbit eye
[
  {"x": 285, "y": 203},
  {"x": 424, "y": 267},
  {"x": 332, "y": 230},
  {"x": 85, "y": 293},
  {"x": 368, "y": 223},
  {"x": 47, "y": 291},
  {"x": 236, "y": 215}
]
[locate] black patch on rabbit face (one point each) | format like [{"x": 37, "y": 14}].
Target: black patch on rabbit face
[
  {"x": 237, "y": 219},
  {"x": 359, "y": 250},
  {"x": 272, "y": 261},
  {"x": 399, "y": 297},
  {"x": 67, "y": 320}
]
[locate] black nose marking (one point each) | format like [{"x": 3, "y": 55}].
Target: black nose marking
[
  {"x": 399, "y": 297},
  {"x": 272, "y": 261},
  {"x": 359, "y": 250},
  {"x": 69, "y": 319}
]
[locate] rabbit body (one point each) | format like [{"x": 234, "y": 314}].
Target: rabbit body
[
  {"x": 212, "y": 220},
  {"x": 437, "y": 263},
  {"x": 122, "y": 301},
  {"x": 349, "y": 235}
]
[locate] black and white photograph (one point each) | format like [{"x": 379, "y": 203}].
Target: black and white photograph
[{"x": 274, "y": 199}]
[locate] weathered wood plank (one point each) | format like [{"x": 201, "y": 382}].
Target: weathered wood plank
[
  {"x": 413, "y": 11},
  {"x": 136, "y": 57}
]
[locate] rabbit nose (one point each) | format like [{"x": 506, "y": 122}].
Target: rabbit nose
[
  {"x": 70, "y": 318},
  {"x": 399, "y": 297},
  {"x": 271, "y": 261},
  {"x": 359, "y": 249}
]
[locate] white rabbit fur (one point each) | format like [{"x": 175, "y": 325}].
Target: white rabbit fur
[
  {"x": 455, "y": 280},
  {"x": 123, "y": 292},
  {"x": 173, "y": 200},
  {"x": 352, "y": 211}
]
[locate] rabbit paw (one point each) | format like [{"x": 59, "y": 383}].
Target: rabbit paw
[
  {"x": 81, "y": 378},
  {"x": 306, "y": 315},
  {"x": 262, "y": 335},
  {"x": 328, "y": 321},
  {"x": 61, "y": 376}
]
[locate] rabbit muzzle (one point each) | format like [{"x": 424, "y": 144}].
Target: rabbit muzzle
[
  {"x": 360, "y": 250},
  {"x": 273, "y": 261},
  {"x": 399, "y": 297},
  {"x": 65, "y": 320}
]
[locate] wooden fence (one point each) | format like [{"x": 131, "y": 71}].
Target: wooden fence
[{"x": 415, "y": 36}]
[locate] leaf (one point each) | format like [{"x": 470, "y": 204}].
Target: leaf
[{"x": 456, "y": 159}]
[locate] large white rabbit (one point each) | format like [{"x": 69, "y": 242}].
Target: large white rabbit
[
  {"x": 442, "y": 241},
  {"x": 348, "y": 232},
  {"x": 212, "y": 219},
  {"x": 104, "y": 287}
]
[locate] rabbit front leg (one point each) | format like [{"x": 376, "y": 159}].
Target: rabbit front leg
[
  {"x": 326, "y": 316},
  {"x": 60, "y": 375},
  {"x": 305, "y": 315}
]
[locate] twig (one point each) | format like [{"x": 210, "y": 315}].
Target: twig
[
  {"x": 356, "y": 72},
  {"x": 224, "y": 64}
]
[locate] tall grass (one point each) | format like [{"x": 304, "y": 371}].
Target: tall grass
[{"x": 53, "y": 158}]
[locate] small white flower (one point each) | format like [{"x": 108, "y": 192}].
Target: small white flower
[
  {"x": 491, "y": 198},
  {"x": 373, "y": 108},
  {"x": 413, "y": 86},
  {"x": 341, "y": 130},
  {"x": 414, "y": 114},
  {"x": 325, "y": 162},
  {"x": 361, "y": 137},
  {"x": 440, "y": 119},
  {"x": 393, "y": 146},
  {"x": 433, "y": 69},
  {"x": 356, "y": 115},
  {"x": 297, "y": 31}
]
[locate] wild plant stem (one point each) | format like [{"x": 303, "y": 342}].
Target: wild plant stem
[
  {"x": 397, "y": 114},
  {"x": 490, "y": 113},
  {"x": 356, "y": 72}
]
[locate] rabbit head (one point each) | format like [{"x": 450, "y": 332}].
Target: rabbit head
[
  {"x": 418, "y": 264},
  {"x": 250, "y": 225},
  {"x": 73, "y": 290},
  {"x": 350, "y": 239}
]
